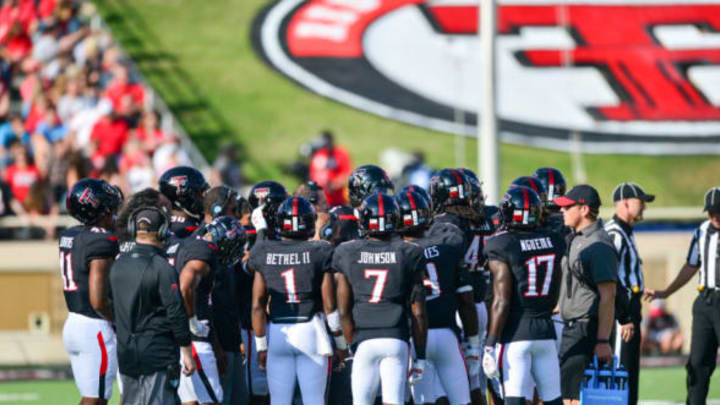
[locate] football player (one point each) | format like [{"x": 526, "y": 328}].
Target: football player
[
  {"x": 380, "y": 293},
  {"x": 366, "y": 180},
  {"x": 86, "y": 253},
  {"x": 447, "y": 289},
  {"x": 457, "y": 199},
  {"x": 293, "y": 273},
  {"x": 212, "y": 248},
  {"x": 184, "y": 186},
  {"x": 144, "y": 198},
  {"x": 263, "y": 199},
  {"x": 524, "y": 259}
]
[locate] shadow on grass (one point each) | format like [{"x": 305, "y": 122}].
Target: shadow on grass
[{"x": 207, "y": 127}]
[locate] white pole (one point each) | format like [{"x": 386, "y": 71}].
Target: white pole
[{"x": 488, "y": 154}]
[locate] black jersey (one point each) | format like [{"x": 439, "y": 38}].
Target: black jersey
[
  {"x": 476, "y": 235},
  {"x": 534, "y": 258},
  {"x": 181, "y": 227},
  {"x": 197, "y": 248},
  {"x": 79, "y": 246},
  {"x": 293, "y": 272},
  {"x": 383, "y": 276},
  {"x": 226, "y": 309},
  {"x": 445, "y": 274}
]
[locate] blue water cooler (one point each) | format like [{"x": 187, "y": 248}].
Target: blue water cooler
[{"x": 607, "y": 385}]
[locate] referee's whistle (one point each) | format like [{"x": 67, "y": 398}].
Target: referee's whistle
[
  {"x": 701, "y": 287},
  {"x": 636, "y": 289}
]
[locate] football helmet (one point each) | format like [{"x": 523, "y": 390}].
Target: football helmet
[
  {"x": 521, "y": 208},
  {"x": 423, "y": 193},
  {"x": 415, "y": 213},
  {"x": 89, "y": 200},
  {"x": 366, "y": 180},
  {"x": 553, "y": 181},
  {"x": 379, "y": 215},
  {"x": 229, "y": 236},
  {"x": 532, "y": 183},
  {"x": 184, "y": 186},
  {"x": 296, "y": 218},
  {"x": 449, "y": 187}
]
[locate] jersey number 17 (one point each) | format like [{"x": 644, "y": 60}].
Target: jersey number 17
[{"x": 532, "y": 267}]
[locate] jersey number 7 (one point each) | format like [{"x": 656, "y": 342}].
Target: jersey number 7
[
  {"x": 379, "y": 286},
  {"x": 532, "y": 271}
]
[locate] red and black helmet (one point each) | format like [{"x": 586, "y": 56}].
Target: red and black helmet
[
  {"x": 379, "y": 215},
  {"x": 89, "y": 200},
  {"x": 296, "y": 218},
  {"x": 532, "y": 183},
  {"x": 415, "y": 213},
  {"x": 449, "y": 187},
  {"x": 553, "y": 181},
  {"x": 521, "y": 208},
  {"x": 184, "y": 186},
  {"x": 366, "y": 180}
]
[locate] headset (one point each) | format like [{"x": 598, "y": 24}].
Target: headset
[
  {"x": 219, "y": 205},
  {"x": 163, "y": 232}
]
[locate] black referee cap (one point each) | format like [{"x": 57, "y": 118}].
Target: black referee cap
[
  {"x": 712, "y": 200},
  {"x": 631, "y": 190}
]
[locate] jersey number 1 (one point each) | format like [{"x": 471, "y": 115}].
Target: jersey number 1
[
  {"x": 290, "y": 290},
  {"x": 532, "y": 269},
  {"x": 432, "y": 281},
  {"x": 66, "y": 271}
]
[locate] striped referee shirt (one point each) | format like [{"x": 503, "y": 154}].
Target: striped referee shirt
[
  {"x": 703, "y": 253},
  {"x": 630, "y": 272}
]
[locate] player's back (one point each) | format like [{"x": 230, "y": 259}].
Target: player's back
[
  {"x": 534, "y": 259},
  {"x": 443, "y": 249},
  {"x": 382, "y": 275},
  {"x": 80, "y": 245},
  {"x": 182, "y": 227},
  {"x": 293, "y": 271}
]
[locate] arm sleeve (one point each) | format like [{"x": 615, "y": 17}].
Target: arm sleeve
[
  {"x": 169, "y": 290},
  {"x": 495, "y": 249},
  {"x": 693, "y": 257},
  {"x": 617, "y": 240},
  {"x": 600, "y": 262}
]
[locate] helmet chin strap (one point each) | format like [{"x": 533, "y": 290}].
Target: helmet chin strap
[{"x": 198, "y": 217}]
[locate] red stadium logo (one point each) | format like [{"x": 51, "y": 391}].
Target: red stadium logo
[{"x": 624, "y": 78}]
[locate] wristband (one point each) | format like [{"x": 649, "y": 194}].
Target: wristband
[
  {"x": 340, "y": 342},
  {"x": 491, "y": 340},
  {"x": 602, "y": 341},
  {"x": 261, "y": 344},
  {"x": 474, "y": 341},
  {"x": 420, "y": 352},
  {"x": 333, "y": 320}
]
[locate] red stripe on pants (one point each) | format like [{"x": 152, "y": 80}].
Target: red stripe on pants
[{"x": 103, "y": 353}]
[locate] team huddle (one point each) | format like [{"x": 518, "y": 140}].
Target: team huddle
[{"x": 410, "y": 296}]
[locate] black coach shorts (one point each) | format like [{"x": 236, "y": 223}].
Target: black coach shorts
[{"x": 576, "y": 351}]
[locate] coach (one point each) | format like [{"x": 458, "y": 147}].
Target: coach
[
  {"x": 152, "y": 326},
  {"x": 629, "y": 199},
  {"x": 704, "y": 256},
  {"x": 587, "y": 292}
]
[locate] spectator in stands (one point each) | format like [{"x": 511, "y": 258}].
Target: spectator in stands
[
  {"x": 108, "y": 136},
  {"x": 330, "y": 167},
  {"x": 148, "y": 132},
  {"x": 417, "y": 172},
  {"x": 39, "y": 203},
  {"x": 22, "y": 173},
  {"x": 661, "y": 331}
]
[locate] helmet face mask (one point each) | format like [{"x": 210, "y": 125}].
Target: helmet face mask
[
  {"x": 379, "y": 215},
  {"x": 184, "y": 186},
  {"x": 295, "y": 219},
  {"x": 228, "y": 235},
  {"x": 366, "y": 180},
  {"x": 521, "y": 209}
]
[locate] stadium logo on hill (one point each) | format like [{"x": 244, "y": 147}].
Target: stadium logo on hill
[{"x": 622, "y": 77}]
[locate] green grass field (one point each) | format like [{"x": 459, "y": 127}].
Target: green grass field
[
  {"x": 666, "y": 384},
  {"x": 198, "y": 56}
]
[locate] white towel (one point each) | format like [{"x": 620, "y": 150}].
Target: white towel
[{"x": 322, "y": 344}]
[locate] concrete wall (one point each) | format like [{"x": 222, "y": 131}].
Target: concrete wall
[{"x": 30, "y": 280}]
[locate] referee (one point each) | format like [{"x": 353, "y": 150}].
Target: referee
[
  {"x": 703, "y": 256},
  {"x": 629, "y": 199}
]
